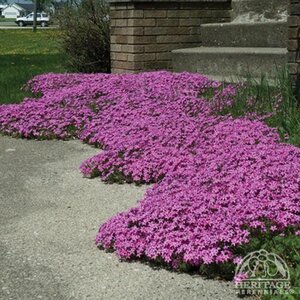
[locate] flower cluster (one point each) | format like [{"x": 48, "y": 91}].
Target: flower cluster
[{"x": 217, "y": 178}]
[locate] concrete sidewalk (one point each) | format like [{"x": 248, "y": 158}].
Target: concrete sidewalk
[{"x": 48, "y": 218}]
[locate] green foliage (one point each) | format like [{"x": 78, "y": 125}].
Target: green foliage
[
  {"x": 274, "y": 99},
  {"x": 24, "y": 54},
  {"x": 287, "y": 247},
  {"x": 276, "y": 103},
  {"x": 222, "y": 271},
  {"x": 85, "y": 35}
]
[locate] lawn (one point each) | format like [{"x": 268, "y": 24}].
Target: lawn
[
  {"x": 5, "y": 20},
  {"x": 23, "y": 55}
]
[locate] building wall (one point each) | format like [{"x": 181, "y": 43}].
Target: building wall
[
  {"x": 10, "y": 12},
  {"x": 144, "y": 33},
  {"x": 293, "y": 40}
]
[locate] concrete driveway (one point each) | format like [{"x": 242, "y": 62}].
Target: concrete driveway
[{"x": 48, "y": 218}]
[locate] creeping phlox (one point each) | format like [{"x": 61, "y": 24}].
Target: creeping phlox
[{"x": 217, "y": 179}]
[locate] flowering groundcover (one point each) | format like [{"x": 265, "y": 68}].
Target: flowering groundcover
[{"x": 217, "y": 179}]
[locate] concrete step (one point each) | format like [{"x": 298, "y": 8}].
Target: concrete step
[
  {"x": 230, "y": 61},
  {"x": 258, "y": 10},
  {"x": 261, "y": 34}
]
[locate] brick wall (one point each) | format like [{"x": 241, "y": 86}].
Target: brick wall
[
  {"x": 143, "y": 33},
  {"x": 293, "y": 39}
]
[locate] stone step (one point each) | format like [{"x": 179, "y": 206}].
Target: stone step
[
  {"x": 258, "y": 10},
  {"x": 230, "y": 61},
  {"x": 261, "y": 34}
]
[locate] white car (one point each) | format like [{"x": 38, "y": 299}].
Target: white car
[{"x": 42, "y": 19}]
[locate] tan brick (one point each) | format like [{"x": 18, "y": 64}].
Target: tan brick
[
  {"x": 292, "y": 44},
  {"x": 157, "y": 48},
  {"x": 134, "y": 13},
  {"x": 115, "y": 14},
  {"x": 127, "y": 65},
  {"x": 163, "y": 56},
  {"x": 178, "y": 13},
  {"x": 119, "y": 71},
  {"x": 294, "y": 21},
  {"x": 179, "y": 30},
  {"x": 169, "y": 39},
  {"x": 154, "y": 13},
  {"x": 120, "y": 22},
  {"x": 141, "y": 57},
  {"x": 201, "y": 13},
  {"x": 178, "y": 39},
  {"x": 293, "y": 68},
  {"x": 130, "y": 6},
  {"x": 167, "y": 22},
  {"x": 167, "y": 30},
  {"x": 118, "y": 56},
  {"x": 141, "y": 22},
  {"x": 128, "y": 13},
  {"x": 138, "y": 40},
  {"x": 119, "y": 39},
  {"x": 190, "y": 22},
  {"x": 293, "y": 32},
  {"x": 292, "y": 56},
  {"x": 115, "y": 48},
  {"x": 120, "y": 6},
  {"x": 127, "y": 31},
  {"x": 156, "y": 30},
  {"x": 132, "y": 48},
  {"x": 112, "y": 6}
]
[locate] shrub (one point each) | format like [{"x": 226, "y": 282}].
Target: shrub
[{"x": 85, "y": 35}]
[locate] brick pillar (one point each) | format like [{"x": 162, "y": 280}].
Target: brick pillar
[
  {"x": 143, "y": 32},
  {"x": 293, "y": 39}
]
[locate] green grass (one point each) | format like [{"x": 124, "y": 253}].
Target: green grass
[
  {"x": 4, "y": 20},
  {"x": 276, "y": 98},
  {"x": 24, "y": 54}
]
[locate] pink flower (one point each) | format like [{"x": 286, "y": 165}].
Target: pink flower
[
  {"x": 217, "y": 179},
  {"x": 240, "y": 277}
]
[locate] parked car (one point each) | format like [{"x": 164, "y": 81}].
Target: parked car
[{"x": 42, "y": 19}]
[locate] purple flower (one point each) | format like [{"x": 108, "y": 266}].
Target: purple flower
[{"x": 216, "y": 178}]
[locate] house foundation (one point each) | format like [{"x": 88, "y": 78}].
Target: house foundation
[{"x": 293, "y": 42}]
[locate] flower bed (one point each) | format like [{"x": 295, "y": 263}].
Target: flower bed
[{"x": 217, "y": 179}]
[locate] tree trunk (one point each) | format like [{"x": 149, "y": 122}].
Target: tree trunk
[{"x": 34, "y": 15}]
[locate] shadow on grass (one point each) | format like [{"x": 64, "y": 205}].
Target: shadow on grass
[{"x": 16, "y": 70}]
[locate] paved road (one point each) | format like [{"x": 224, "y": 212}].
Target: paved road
[{"x": 48, "y": 218}]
